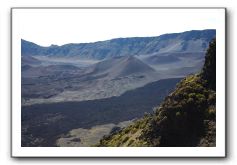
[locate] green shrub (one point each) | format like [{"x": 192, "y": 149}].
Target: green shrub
[
  {"x": 125, "y": 139},
  {"x": 130, "y": 142}
]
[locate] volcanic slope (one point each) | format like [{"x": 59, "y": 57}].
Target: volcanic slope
[
  {"x": 186, "y": 118},
  {"x": 105, "y": 79}
]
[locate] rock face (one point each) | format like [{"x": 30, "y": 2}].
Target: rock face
[
  {"x": 187, "y": 117},
  {"x": 190, "y": 41}
]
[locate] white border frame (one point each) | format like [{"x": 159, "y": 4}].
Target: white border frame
[{"x": 218, "y": 151}]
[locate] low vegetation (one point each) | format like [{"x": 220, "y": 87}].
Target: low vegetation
[{"x": 187, "y": 117}]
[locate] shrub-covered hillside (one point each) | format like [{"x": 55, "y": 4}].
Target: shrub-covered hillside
[{"x": 187, "y": 117}]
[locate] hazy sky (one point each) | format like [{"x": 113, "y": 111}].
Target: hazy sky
[{"x": 62, "y": 26}]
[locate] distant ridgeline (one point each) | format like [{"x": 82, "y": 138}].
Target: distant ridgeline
[
  {"x": 187, "y": 117},
  {"x": 190, "y": 41}
]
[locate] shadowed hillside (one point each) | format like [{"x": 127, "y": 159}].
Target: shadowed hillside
[
  {"x": 42, "y": 124},
  {"x": 187, "y": 117}
]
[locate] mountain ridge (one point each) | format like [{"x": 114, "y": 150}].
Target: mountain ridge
[{"x": 195, "y": 40}]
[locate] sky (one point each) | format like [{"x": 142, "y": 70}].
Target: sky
[{"x": 62, "y": 26}]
